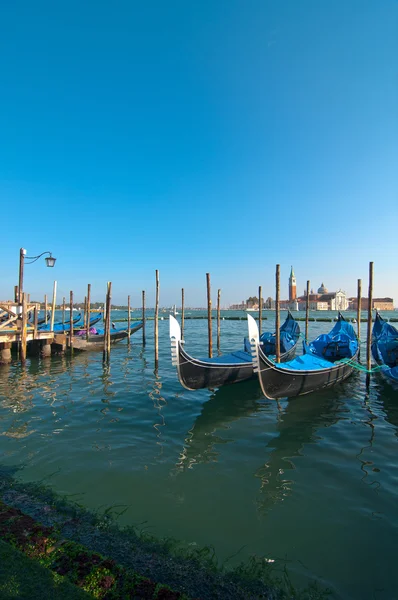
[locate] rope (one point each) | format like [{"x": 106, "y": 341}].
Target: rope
[{"x": 360, "y": 367}]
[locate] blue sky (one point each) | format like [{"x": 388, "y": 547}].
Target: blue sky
[{"x": 197, "y": 137}]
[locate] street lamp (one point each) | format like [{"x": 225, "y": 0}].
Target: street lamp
[{"x": 50, "y": 262}]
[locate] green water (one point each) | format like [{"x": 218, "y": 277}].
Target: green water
[{"x": 311, "y": 482}]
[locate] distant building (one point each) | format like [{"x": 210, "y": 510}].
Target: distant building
[
  {"x": 378, "y": 303},
  {"x": 292, "y": 286}
]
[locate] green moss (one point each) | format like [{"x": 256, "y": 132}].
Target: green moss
[{"x": 25, "y": 579}]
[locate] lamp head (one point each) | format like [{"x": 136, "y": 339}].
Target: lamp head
[{"x": 50, "y": 261}]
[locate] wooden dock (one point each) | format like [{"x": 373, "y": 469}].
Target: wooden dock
[{"x": 17, "y": 332}]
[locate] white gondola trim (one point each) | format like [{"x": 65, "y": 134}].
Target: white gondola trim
[{"x": 175, "y": 338}]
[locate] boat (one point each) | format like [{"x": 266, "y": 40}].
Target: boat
[
  {"x": 96, "y": 337},
  {"x": 385, "y": 348},
  {"x": 328, "y": 360},
  {"x": 199, "y": 373},
  {"x": 60, "y": 327},
  {"x": 43, "y": 320}
]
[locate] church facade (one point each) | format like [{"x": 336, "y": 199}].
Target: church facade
[{"x": 322, "y": 300}]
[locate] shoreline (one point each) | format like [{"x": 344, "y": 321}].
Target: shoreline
[{"x": 191, "y": 573}]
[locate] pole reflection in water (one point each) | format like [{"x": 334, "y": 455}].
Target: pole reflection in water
[{"x": 159, "y": 402}]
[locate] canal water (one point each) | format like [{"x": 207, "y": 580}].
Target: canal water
[{"x": 310, "y": 482}]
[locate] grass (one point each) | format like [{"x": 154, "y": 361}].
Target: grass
[{"x": 22, "y": 578}]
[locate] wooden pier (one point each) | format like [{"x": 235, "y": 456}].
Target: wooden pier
[{"x": 17, "y": 332}]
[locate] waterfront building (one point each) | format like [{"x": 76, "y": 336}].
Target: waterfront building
[{"x": 378, "y": 303}]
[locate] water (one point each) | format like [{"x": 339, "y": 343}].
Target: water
[{"x": 311, "y": 481}]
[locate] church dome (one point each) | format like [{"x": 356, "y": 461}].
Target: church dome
[{"x": 322, "y": 289}]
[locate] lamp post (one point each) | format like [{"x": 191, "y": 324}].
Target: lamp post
[{"x": 50, "y": 262}]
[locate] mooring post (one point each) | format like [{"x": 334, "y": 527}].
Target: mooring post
[
  {"x": 24, "y": 327},
  {"x": 260, "y": 308},
  {"x": 63, "y": 313},
  {"x": 128, "y": 319},
  {"x": 307, "y": 310},
  {"x": 45, "y": 309},
  {"x": 277, "y": 315},
  {"x": 16, "y": 294},
  {"x": 85, "y": 313},
  {"x": 35, "y": 323},
  {"x": 157, "y": 320},
  {"x": 209, "y": 323},
  {"x": 5, "y": 352},
  {"x": 108, "y": 320},
  {"x": 53, "y": 306},
  {"x": 88, "y": 310},
  {"x": 71, "y": 322},
  {"x": 369, "y": 332},
  {"x": 359, "y": 310},
  {"x": 143, "y": 318},
  {"x": 218, "y": 321},
  {"x": 182, "y": 313}
]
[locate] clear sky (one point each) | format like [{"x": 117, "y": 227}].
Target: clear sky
[{"x": 219, "y": 136}]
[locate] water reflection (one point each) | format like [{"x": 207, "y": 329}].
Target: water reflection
[
  {"x": 389, "y": 397},
  {"x": 298, "y": 423},
  {"x": 225, "y": 405},
  {"x": 158, "y": 403}
]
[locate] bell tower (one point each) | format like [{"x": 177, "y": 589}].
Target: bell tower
[{"x": 292, "y": 286}]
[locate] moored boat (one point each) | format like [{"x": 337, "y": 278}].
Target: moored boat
[
  {"x": 77, "y": 324},
  {"x": 328, "y": 360},
  {"x": 199, "y": 373},
  {"x": 96, "y": 337},
  {"x": 385, "y": 348}
]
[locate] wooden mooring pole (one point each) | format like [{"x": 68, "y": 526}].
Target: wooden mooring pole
[
  {"x": 307, "y": 310},
  {"x": 369, "y": 332},
  {"x": 85, "y": 313},
  {"x": 88, "y": 306},
  {"x": 45, "y": 309},
  {"x": 156, "y": 328},
  {"x": 128, "y": 319},
  {"x": 218, "y": 321},
  {"x": 359, "y": 310},
  {"x": 63, "y": 311},
  {"x": 53, "y": 306},
  {"x": 107, "y": 329},
  {"x": 182, "y": 313},
  {"x": 260, "y": 308},
  {"x": 108, "y": 319},
  {"x": 143, "y": 319},
  {"x": 35, "y": 322},
  {"x": 24, "y": 327},
  {"x": 277, "y": 315},
  {"x": 209, "y": 323},
  {"x": 71, "y": 321}
]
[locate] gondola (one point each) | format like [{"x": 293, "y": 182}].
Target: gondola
[
  {"x": 385, "y": 348},
  {"x": 96, "y": 337},
  {"x": 43, "y": 320},
  {"x": 60, "y": 327},
  {"x": 329, "y": 359},
  {"x": 199, "y": 373}
]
